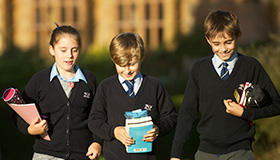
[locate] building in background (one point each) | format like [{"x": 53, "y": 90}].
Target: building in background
[
  {"x": 28, "y": 24},
  {"x": 5, "y": 25}
]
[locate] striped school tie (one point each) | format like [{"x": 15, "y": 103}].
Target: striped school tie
[
  {"x": 130, "y": 85},
  {"x": 225, "y": 71}
]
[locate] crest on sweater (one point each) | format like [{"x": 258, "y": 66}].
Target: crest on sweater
[
  {"x": 86, "y": 95},
  {"x": 148, "y": 107}
]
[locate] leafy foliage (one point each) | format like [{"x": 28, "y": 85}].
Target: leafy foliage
[{"x": 16, "y": 68}]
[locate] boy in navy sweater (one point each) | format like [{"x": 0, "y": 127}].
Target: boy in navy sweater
[
  {"x": 224, "y": 128},
  {"x": 107, "y": 118}
]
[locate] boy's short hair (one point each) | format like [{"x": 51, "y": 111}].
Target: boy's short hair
[
  {"x": 221, "y": 21},
  {"x": 125, "y": 46}
]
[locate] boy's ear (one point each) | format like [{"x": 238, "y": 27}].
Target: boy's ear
[
  {"x": 207, "y": 40},
  {"x": 239, "y": 36},
  {"x": 51, "y": 50}
]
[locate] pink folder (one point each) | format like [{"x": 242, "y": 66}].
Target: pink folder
[{"x": 28, "y": 112}]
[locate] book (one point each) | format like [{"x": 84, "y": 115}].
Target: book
[
  {"x": 241, "y": 100},
  {"x": 137, "y": 128},
  {"x": 244, "y": 95},
  {"x": 139, "y": 113},
  {"x": 28, "y": 112}
]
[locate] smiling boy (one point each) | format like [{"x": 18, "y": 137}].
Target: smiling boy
[
  {"x": 114, "y": 97},
  {"x": 225, "y": 132}
]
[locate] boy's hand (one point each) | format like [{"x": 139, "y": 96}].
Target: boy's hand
[
  {"x": 233, "y": 108},
  {"x": 38, "y": 127},
  {"x": 121, "y": 135},
  {"x": 94, "y": 151},
  {"x": 152, "y": 134}
]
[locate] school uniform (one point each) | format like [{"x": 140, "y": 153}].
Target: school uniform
[
  {"x": 112, "y": 101},
  {"x": 220, "y": 132},
  {"x": 67, "y": 111}
]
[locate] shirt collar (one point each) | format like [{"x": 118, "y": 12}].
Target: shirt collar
[
  {"x": 231, "y": 61},
  {"x": 137, "y": 79},
  {"x": 79, "y": 75}
]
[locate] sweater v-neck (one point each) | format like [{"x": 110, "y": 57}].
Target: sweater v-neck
[
  {"x": 236, "y": 67},
  {"x": 139, "y": 91}
]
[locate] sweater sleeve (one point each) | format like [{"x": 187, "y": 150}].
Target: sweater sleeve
[
  {"x": 20, "y": 123},
  {"x": 272, "y": 105},
  {"x": 92, "y": 78},
  {"x": 168, "y": 114},
  {"x": 188, "y": 114},
  {"x": 97, "y": 139},
  {"x": 97, "y": 122}
]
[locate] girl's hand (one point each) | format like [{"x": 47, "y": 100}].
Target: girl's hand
[
  {"x": 38, "y": 127},
  {"x": 152, "y": 134},
  {"x": 121, "y": 135}
]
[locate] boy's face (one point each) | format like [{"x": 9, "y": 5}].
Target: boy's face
[
  {"x": 129, "y": 71},
  {"x": 65, "y": 52},
  {"x": 222, "y": 45}
]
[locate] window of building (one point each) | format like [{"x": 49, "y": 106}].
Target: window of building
[
  {"x": 38, "y": 15},
  {"x": 147, "y": 36},
  {"x": 120, "y": 12},
  {"x": 147, "y": 8},
  {"x": 63, "y": 14},
  {"x": 160, "y": 34},
  {"x": 160, "y": 9},
  {"x": 133, "y": 12},
  {"x": 38, "y": 39},
  {"x": 50, "y": 14},
  {"x": 75, "y": 14}
]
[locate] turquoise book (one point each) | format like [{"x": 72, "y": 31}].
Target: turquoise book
[{"x": 137, "y": 128}]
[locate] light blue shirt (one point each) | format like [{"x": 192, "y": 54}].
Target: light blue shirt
[
  {"x": 217, "y": 63},
  {"x": 137, "y": 82},
  {"x": 79, "y": 75}
]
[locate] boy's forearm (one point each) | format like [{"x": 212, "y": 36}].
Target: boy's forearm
[{"x": 101, "y": 129}]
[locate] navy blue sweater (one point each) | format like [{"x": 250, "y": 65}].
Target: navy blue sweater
[
  {"x": 70, "y": 136},
  {"x": 112, "y": 101},
  {"x": 220, "y": 132}
]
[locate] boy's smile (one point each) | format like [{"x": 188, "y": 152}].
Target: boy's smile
[
  {"x": 129, "y": 71},
  {"x": 222, "y": 45}
]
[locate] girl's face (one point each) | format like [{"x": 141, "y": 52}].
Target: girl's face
[
  {"x": 65, "y": 52},
  {"x": 223, "y": 45}
]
